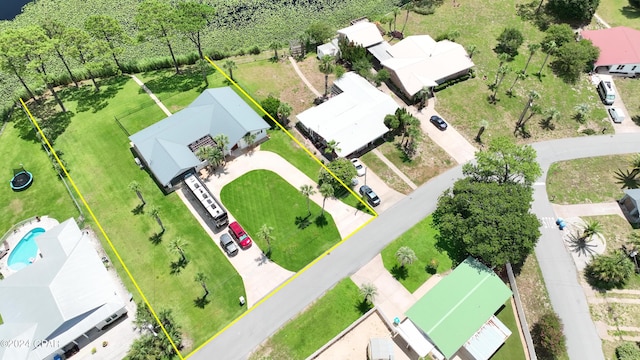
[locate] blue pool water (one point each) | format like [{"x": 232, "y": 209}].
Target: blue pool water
[{"x": 25, "y": 251}]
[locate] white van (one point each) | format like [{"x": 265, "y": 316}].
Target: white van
[{"x": 606, "y": 91}]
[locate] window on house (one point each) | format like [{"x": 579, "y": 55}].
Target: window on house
[
  {"x": 634, "y": 67},
  {"x": 620, "y": 67}
]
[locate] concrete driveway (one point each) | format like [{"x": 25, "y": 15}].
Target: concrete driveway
[
  {"x": 388, "y": 196},
  {"x": 627, "y": 125}
]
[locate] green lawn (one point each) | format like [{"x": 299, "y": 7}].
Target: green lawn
[
  {"x": 281, "y": 144},
  {"x": 629, "y": 90},
  {"x": 465, "y": 104},
  {"x": 47, "y": 195},
  {"x": 321, "y": 322},
  {"x": 263, "y": 197},
  {"x": 619, "y": 13},
  {"x": 102, "y": 166},
  {"x": 589, "y": 180},
  {"x": 512, "y": 348},
  {"x": 421, "y": 238}
]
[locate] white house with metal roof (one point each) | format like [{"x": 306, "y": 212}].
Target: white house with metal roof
[
  {"x": 354, "y": 118},
  {"x": 61, "y": 296},
  {"x": 168, "y": 147},
  {"x": 362, "y": 33},
  {"x": 419, "y": 61}
]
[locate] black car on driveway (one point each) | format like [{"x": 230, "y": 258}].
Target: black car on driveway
[
  {"x": 372, "y": 197},
  {"x": 438, "y": 122}
]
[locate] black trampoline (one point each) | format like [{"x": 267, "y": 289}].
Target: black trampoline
[{"x": 22, "y": 179}]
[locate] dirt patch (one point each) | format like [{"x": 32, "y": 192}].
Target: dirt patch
[
  {"x": 533, "y": 292},
  {"x": 309, "y": 67}
]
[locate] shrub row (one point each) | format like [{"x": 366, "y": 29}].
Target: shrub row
[{"x": 448, "y": 83}]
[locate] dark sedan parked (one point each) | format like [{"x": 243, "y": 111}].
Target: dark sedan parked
[{"x": 438, "y": 122}]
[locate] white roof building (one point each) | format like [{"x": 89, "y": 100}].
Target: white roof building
[
  {"x": 354, "y": 118},
  {"x": 363, "y": 33},
  {"x": 419, "y": 61},
  {"x": 58, "y": 298}
]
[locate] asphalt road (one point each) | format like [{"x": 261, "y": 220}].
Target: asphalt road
[{"x": 557, "y": 268}]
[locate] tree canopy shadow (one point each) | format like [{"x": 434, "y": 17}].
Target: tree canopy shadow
[
  {"x": 630, "y": 12},
  {"x": 156, "y": 238},
  {"x": 178, "y": 265},
  {"x": 168, "y": 83},
  {"x": 453, "y": 247},
  {"x": 201, "y": 302},
  {"x": 52, "y": 122},
  {"x": 321, "y": 221},
  {"x": 363, "y": 306},
  {"x": 138, "y": 209},
  {"x": 89, "y": 99},
  {"x": 580, "y": 245},
  {"x": 399, "y": 272},
  {"x": 636, "y": 119},
  {"x": 303, "y": 222}
]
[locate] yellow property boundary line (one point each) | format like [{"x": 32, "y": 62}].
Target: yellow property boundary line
[{"x": 126, "y": 269}]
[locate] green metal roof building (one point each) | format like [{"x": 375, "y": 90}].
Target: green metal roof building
[{"x": 459, "y": 305}]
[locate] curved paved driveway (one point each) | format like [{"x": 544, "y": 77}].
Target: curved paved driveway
[{"x": 559, "y": 272}]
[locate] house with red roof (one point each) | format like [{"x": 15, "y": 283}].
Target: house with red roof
[{"x": 619, "y": 50}]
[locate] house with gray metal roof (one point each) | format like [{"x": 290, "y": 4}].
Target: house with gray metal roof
[
  {"x": 167, "y": 148},
  {"x": 64, "y": 294}
]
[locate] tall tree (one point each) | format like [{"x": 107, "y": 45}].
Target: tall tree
[
  {"x": 422, "y": 95},
  {"x": 13, "y": 59},
  {"x": 222, "y": 142},
  {"x": 106, "y": 28},
  {"x": 55, "y": 31},
  {"x": 580, "y": 11},
  {"x": 487, "y": 220},
  {"x": 265, "y": 234},
  {"x": 509, "y": 41},
  {"x": 396, "y": 12},
  {"x": 575, "y": 58},
  {"x": 155, "y": 345},
  {"x": 472, "y": 50},
  {"x": 342, "y": 168},
  {"x": 548, "y": 48},
  {"x": 40, "y": 49},
  {"x": 230, "y": 65},
  {"x": 519, "y": 76},
  {"x": 326, "y": 67},
  {"x": 193, "y": 17},
  {"x": 284, "y": 111},
  {"x": 87, "y": 51},
  {"x": 590, "y": 229},
  {"x": 504, "y": 162},
  {"x": 135, "y": 187},
  {"x": 406, "y": 256},
  {"x": 533, "y": 95},
  {"x": 326, "y": 190},
  {"x": 533, "y": 49},
  {"x": 203, "y": 66},
  {"x": 503, "y": 70},
  {"x": 202, "y": 278},
  {"x": 275, "y": 46},
  {"x": 177, "y": 246},
  {"x": 307, "y": 190},
  {"x": 154, "y": 212},
  {"x": 607, "y": 271},
  {"x": 156, "y": 19},
  {"x": 332, "y": 147}
]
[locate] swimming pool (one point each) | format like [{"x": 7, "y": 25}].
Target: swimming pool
[{"x": 25, "y": 251}]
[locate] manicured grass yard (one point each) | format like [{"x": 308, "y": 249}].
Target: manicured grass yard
[
  {"x": 263, "y": 197},
  {"x": 421, "y": 238},
  {"x": 586, "y": 180},
  {"x": 47, "y": 195},
  {"x": 102, "y": 166},
  {"x": 619, "y": 13},
  {"x": 629, "y": 90},
  {"x": 323, "y": 320},
  {"x": 512, "y": 348},
  {"x": 465, "y": 104},
  {"x": 281, "y": 144}
]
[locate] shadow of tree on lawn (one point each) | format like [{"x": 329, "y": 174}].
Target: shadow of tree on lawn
[
  {"x": 156, "y": 238},
  {"x": 363, "y": 306},
  {"x": 201, "y": 302},
  {"x": 399, "y": 272},
  {"x": 178, "y": 265}
]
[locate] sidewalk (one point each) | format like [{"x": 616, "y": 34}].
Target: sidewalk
[{"x": 303, "y": 78}]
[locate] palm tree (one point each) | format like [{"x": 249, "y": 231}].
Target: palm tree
[
  {"x": 307, "y": 191},
  {"x": 326, "y": 190},
  {"x": 264, "y": 234},
  {"x": 326, "y": 67},
  {"x": 503, "y": 59},
  {"x": 230, "y": 65},
  {"x": 533, "y": 48},
  {"x": 591, "y": 228},
  {"x": 539, "y": 6},
  {"x": 203, "y": 152},
  {"x": 369, "y": 292},
  {"x": 275, "y": 46},
  {"x": 627, "y": 179},
  {"x": 503, "y": 70},
  {"x": 405, "y": 256},
  {"x": 135, "y": 187},
  {"x": 550, "y": 115},
  {"x": 635, "y": 165},
  {"x": 472, "y": 50},
  {"x": 154, "y": 212},
  {"x": 222, "y": 142},
  {"x": 408, "y": 7},
  {"x": 610, "y": 270},
  {"x": 249, "y": 138},
  {"x": 519, "y": 76},
  {"x": 533, "y": 95},
  {"x": 284, "y": 110},
  {"x": 203, "y": 66},
  {"x": 177, "y": 246},
  {"x": 202, "y": 279},
  {"x": 396, "y": 12},
  {"x": 215, "y": 157},
  {"x": 422, "y": 95},
  {"x": 581, "y": 112},
  {"x": 548, "y": 47},
  {"x": 483, "y": 127},
  {"x": 332, "y": 147}
]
